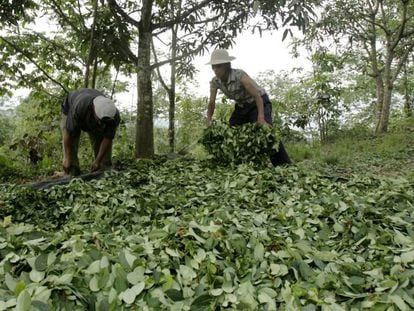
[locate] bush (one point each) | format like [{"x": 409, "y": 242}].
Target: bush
[{"x": 7, "y": 169}]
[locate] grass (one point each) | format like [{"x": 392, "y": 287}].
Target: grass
[{"x": 391, "y": 154}]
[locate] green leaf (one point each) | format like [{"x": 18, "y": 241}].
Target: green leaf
[
  {"x": 129, "y": 258},
  {"x": 259, "y": 251},
  {"x": 113, "y": 295},
  {"x": 64, "y": 279},
  {"x": 172, "y": 252},
  {"x": 128, "y": 296},
  {"x": 399, "y": 302},
  {"x": 20, "y": 286},
  {"x": 407, "y": 257},
  {"x": 94, "y": 284},
  {"x": 51, "y": 258},
  {"x": 94, "y": 267},
  {"x": 40, "y": 306},
  {"x": 104, "y": 262},
  {"x": 228, "y": 286},
  {"x": 202, "y": 303},
  {"x": 338, "y": 227},
  {"x": 174, "y": 294},
  {"x": 42, "y": 293},
  {"x": 10, "y": 282},
  {"x": 36, "y": 276},
  {"x": 157, "y": 234},
  {"x": 264, "y": 297},
  {"x": 278, "y": 270},
  {"x": 41, "y": 262},
  {"x": 187, "y": 273},
  {"x": 136, "y": 276},
  {"x": 216, "y": 292},
  {"x": 18, "y": 229},
  {"x": 23, "y": 301},
  {"x": 131, "y": 293}
]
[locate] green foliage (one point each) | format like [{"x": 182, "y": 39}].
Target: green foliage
[
  {"x": 186, "y": 235},
  {"x": 311, "y": 101},
  {"x": 161, "y": 140},
  {"x": 7, "y": 128},
  {"x": 223, "y": 110},
  {"x": 37, "y": 132},
  {"x": 249, "y": 142},
  {"x": 190, "y": 121},
  {"x": 8, "y": 170},
  {"x": 14, "y": 11},
  {"x": 301, "y": 151},
  {"x": 358, "y": 150},
  {"x": 402, "y": 125},
  {"x": 123, "y": 143}
]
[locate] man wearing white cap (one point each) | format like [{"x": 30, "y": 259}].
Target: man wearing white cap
[
  {"x": 90, "y": 111},
  {"x": 252, "y": 103}
]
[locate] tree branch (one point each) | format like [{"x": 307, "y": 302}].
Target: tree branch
[
  {"x": 182, "y": 16},
  {"x": 25, "y": 54},
  {"x": 164, "y": 85},
  {"x": 117, "y": 10},
  {"x": 63, "y": 16}
]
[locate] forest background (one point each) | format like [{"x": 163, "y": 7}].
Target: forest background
[{"x": 359, "y": 82}]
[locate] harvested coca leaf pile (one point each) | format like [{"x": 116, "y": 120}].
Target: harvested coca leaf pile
[
  {"x": 250, "y": 142},
  {"x": 188, "y": 235}
]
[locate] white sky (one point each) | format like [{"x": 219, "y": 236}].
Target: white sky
[{"x": 254, "y": 54}]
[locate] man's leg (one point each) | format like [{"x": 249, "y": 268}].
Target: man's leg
[
  {"x": 96, "y": 140},
  {"x": 281, "y": 156},
  {"x": 74, "y": 164},
  {"x": 236, "y": 118}
]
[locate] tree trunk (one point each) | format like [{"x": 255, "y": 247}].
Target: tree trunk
[
  {"x": 171, "y": 93},
  {"x": 144, "y": 139},
  {"x": 408, "y": 109},
  {"x": 380, "y": 101},
  {"x": 383, "y": 109},
  {"x": 94, "y": 73},
  {"x": 407, "y": 98},
  {"x": 91, "y": 54},
  {"x": 382, "y": 125}
]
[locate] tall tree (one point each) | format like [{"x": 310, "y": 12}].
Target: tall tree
[
  {"x": 171, "y": 89},
  {"x": 84, "y": 45},
  {"x": 50, "y": 63},
  {"x": 407, "y": 85},
  {"x": 380, "y": 32},
  {"x": 206, "y": 23}
]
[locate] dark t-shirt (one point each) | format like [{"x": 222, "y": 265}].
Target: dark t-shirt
[{"x": 78, "y": 106}]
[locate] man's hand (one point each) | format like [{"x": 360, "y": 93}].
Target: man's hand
[
  {"x": 95, "y": 166},
  {"x": 261, "y": 120}
]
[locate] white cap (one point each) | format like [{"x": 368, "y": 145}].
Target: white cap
[
  {"x": 220, "y": 56},
  {"x": 104, "y": 107}
]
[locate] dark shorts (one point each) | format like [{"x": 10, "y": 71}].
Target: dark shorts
[{"x": 248, "y": 112}]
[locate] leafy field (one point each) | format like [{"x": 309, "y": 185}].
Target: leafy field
[{"x": 187, "y": 235}]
